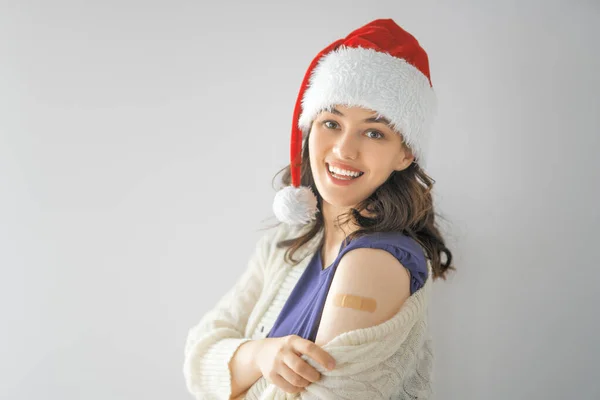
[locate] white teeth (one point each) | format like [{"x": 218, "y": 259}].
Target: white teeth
[{"x": 339, "y": 171}]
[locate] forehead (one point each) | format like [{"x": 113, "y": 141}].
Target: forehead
[
  {"x": 351, "y": 109},
  {"x": 356, "y": 112}
]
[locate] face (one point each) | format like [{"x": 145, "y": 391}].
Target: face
[{"x": 352, "y": 154}]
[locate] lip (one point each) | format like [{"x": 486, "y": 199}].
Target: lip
[
  {"x": 340, "y": 182},
  {"x": 343, "y": 166}
]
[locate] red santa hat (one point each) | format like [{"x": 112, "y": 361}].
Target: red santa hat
[{"x": 378, "y": 66}]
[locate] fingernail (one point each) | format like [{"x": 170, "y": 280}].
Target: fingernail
[{"x": 331, "y": 365}]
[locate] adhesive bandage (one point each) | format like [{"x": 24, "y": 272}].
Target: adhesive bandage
[{"x": 355, "y": 302}]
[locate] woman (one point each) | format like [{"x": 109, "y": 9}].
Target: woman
[{"x": 333, "y": 304}]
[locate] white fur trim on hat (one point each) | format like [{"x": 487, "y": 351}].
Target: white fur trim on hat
[{"x": 356, "y": 76}]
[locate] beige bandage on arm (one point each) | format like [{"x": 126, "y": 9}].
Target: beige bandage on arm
[{"x": 355, "y": 302}]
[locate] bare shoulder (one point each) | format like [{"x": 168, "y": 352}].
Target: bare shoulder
[
  {"x": 369, "y": 287},
  {"x": 375, "y": 265}
]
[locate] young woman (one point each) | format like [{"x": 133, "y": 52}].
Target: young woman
[{"x": 333, "y": 304}]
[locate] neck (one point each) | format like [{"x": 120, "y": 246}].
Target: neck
[{"x": 335, "y": 232}]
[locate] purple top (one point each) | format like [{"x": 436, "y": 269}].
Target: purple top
[{"x": 301, "y": 314}]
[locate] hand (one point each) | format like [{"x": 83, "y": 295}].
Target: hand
[{"x": 279, "y": 361}]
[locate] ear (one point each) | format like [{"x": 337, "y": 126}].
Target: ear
[{"x": 405, "y": 158}]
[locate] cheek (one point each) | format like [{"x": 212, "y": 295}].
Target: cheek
[
  {"x": 313, "y": 154},
  {"x": 311, "y": 148},
  {"x": 381, "y": 163},
  {"x": 315, "y": 147}
]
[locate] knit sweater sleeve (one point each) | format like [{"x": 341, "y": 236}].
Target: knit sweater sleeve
[
  {"x": 211, "y": 343},
  {"x": 389, "y": 360}
]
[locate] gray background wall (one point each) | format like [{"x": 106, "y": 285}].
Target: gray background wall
[{"x": 138, "y": 141}]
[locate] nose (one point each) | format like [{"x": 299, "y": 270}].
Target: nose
[{"x": 346, "y": 146}]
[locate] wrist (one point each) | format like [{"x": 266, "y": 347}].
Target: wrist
[{"x": 244, "y": 368}]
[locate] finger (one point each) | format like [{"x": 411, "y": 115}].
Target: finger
[
  {"x": 301, "y": 367},
  {"x": 284, "y": 385},
  {"x": 315, "y": 352},
  {"x": 292, "y": 377}
]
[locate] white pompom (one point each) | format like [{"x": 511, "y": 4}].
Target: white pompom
[{"x": 295, "y": 205}]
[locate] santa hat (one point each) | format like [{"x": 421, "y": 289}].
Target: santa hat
[{"x": 379, "y": 66}]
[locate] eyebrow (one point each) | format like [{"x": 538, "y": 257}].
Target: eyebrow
[{"x": 382, "y": 120}]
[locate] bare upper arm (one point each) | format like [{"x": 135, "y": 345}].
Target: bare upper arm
[{"x": 372, "y": 275}]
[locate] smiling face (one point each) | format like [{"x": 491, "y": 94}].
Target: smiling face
[{"x": 352, "y": 154}]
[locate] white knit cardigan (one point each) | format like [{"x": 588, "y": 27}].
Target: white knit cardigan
[{"x": 392, "y": 360}]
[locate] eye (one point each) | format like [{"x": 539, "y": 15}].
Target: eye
[
  {"x": 325, "y": 124},
  {"x": 378, "y": 134}
]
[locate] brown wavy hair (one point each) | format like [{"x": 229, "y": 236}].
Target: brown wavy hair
[{"x": 403, "y": 203}]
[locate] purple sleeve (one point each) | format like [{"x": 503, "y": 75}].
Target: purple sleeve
[{"x": 406, "y": 250}]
